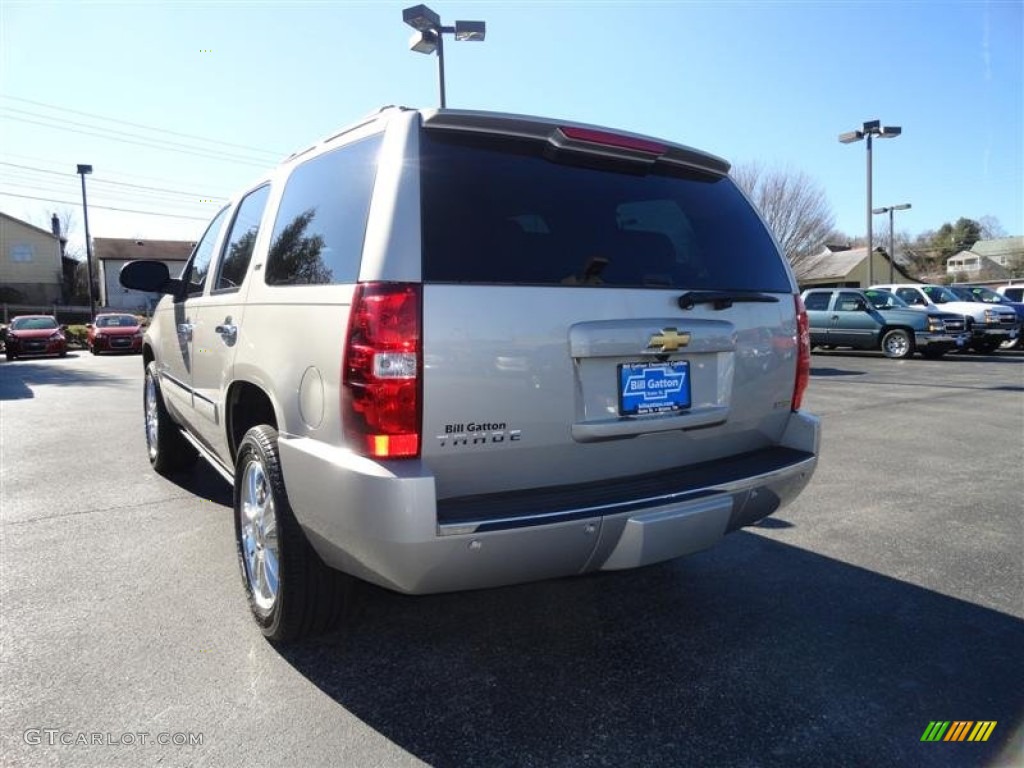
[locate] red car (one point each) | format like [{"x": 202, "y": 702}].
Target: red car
[
  {"x": 115, "y": 333},
  {"x": 31, "y": 335}
]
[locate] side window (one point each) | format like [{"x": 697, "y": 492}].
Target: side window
[
  {"x": 195, "y": 271},
  {"x": 817, "y": 302},
  {"x": 321, "y": 222},
  {"x": 849, "y": 302},
  {"x": 910, "y": 296},
  {"x": 242, "y": 239}
]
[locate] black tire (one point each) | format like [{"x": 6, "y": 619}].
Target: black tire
[
  {"x": 897, "y": 344},
  {"x": 11, "y": 357},
  {"x": 310, "y": 598},
  {"x": 168, "y": 450},
  {"x": 94, "y": 350},
  {"x": 988, "y": 347}
]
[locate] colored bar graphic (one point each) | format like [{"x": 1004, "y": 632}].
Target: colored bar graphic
[
  {"x": 982, "y": 730},
  {"x": 958, "y": 730},
  {"x": 935, "y": 730}
]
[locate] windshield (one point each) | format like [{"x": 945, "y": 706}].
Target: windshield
[
  {"x": 115, "y": 321},
  {"x": 33, "y": 323},
  {"x": 885, "y": 300},
  {"x": 939, "y": 294},
  {"x": 980, "y": 293}
]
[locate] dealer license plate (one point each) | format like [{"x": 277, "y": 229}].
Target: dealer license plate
[{"x": 654, "y": 387}]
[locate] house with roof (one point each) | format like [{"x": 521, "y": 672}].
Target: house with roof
[
  {"x": 31, "y": 269},
  {"x": 840, "y": 266},
  {"x": 112, "y": 253},
  {"x": 996, "y": 259}
]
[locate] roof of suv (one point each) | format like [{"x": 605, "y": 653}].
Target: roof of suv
[{"x": 614, "y": 141}]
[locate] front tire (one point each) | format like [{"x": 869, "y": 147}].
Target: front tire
[
  {"x": 291, "y": 592},
  {"x": 897, "y": 344},
  {"x": 168, "y": 450}
]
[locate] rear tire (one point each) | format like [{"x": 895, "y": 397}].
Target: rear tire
[
  {"x": 292, "y": 594},
  {"x": 168, "y": 450},
  {"x": 897, "y": 344}
]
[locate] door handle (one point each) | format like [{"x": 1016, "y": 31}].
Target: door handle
[
  {"x": 227, "y": 332},
  {"x": 185, "y": 329}
]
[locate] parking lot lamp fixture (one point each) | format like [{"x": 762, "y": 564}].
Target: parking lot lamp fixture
[
  {"x": 868, "y": 130},
  {"x": 429, "y": 35},
  {"x": 82, "y": 171},
  {"x": 892, "y": 251}
]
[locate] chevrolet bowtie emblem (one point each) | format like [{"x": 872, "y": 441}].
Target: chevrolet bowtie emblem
[{"x": 669, "y": 340}]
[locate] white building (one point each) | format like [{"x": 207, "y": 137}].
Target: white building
[{"x": 112, "y": 253}]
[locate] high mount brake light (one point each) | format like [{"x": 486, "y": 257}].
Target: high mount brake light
[
  {"x": 607, "y": 139},
  {"x": 381, "y": 372},
  {"x": 803, "y": 356}
]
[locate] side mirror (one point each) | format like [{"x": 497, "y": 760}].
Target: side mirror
[{"x": 149, "y": 276}]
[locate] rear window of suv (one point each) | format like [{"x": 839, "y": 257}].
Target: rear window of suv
[{"x": 498, "y": 211}]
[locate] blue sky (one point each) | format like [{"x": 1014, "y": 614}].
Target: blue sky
[{"x": 772, "y": 82}]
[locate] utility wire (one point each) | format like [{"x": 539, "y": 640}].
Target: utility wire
[
  {"x": 208, "y": 154},
  {"x": 104, "y": 207},
  {"x": 62, "y": 121},
  {"x": 50, "y": 161},
  {"x": 97, "y": 179},
  {"x": 140, "y": 125}
]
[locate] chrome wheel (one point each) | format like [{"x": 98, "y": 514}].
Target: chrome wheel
[
  {"x": 152, "y": 418},
  {"x": 258, "y": 529},
  {"x": 896, "y": 344}
]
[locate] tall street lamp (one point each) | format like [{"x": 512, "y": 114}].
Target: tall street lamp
[
  {"x": 82, "y": 171},
  {"x": 868, "y": 130},
  {"x": 429, "y": 35},
  {"x": 892, "y": 251}
]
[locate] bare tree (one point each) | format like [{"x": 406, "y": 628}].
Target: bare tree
[
  {"x": 991, "y": 229},
  {"x": 793, "y": 204}
]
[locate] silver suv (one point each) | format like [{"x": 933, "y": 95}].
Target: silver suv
[{"x": 444, "y": 350}]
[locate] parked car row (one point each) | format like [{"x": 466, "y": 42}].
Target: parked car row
[
  {"x": 903, "y": 319},
  {"x": 42, "y": 335}
]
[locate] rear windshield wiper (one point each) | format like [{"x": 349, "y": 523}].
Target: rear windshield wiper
[{"x": 722, "y": 299}]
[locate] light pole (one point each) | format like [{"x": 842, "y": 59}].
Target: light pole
[
  {"x": 868, "y": 130},
  {"x": 429, "y": 35},
  {"x": 892, "y": 250},
  {"x": 82, "y": 171}
]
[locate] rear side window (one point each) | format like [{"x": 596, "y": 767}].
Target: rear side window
[
  {"x": 321, "y": 222},
  {"x": 497, "y": 211}
]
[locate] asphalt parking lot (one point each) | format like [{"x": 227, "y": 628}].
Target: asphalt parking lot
[{"x": 890, "y": 595}]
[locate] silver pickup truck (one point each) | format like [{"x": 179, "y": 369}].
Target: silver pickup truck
[{"x": 444, "y": 350}]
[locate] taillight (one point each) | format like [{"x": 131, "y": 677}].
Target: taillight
[
  {"x": 803, "y": 354},
  {"x": 604, "y": 138},
  {"x": 380, "y": 374}
]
